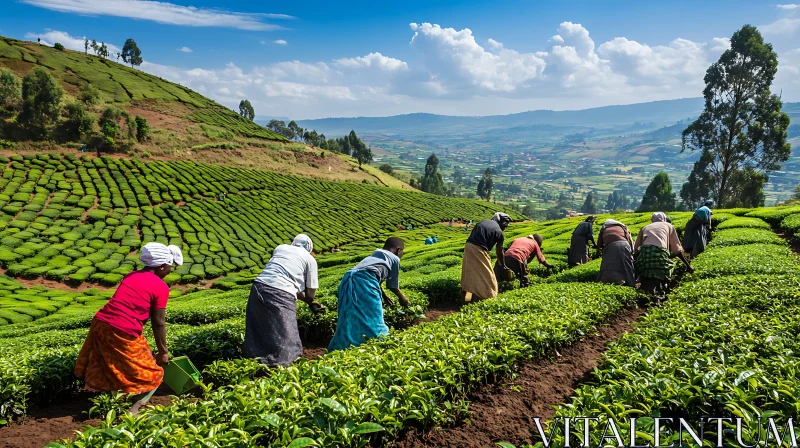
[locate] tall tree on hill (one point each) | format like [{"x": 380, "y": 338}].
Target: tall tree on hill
[
  {"x": 94, "y": 46},
  {"x": 658, "y": 197},
  {"x": 297, "y": 131},
  {"x": 104, "y": 50},
  {"x": 458, "y": 176},
  {"x": 432, "y": 181},
  {"x": 742, "y": 124},
  {"x": 246, "y": 110},
  {"x": 86, "y": 45},
  {"x": 41, "y": 101},
  {"x": 360, "y": 150},
  {"x": 131, "y": 53},
  {"x": 588, "y": 205},
  {"x": 486, "y": 185}
]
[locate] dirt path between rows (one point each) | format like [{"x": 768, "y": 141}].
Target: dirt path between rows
[
  {"x": 794, "y": 244},
  {"x": 60, "y": 421},
  {"x": 504, "y": 411}
]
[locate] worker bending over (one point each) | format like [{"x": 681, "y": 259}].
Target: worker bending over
[
  {"x": 361, "y": 298},
  {"x": 477, "y": 275},
  {"x": 271, "y": 334},
  {"x": 115, "y": 355},
  {"x": 521, "y": 252}
]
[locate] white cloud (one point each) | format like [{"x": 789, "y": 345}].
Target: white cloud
[
  {"x": 786, "y": 26},
  {"x": 50, "y": 37},
  {"x": 162, "y": 12},
  {"x": 375, "y": 60},
  {"x": 455, "y": 63},
  {"x": 185, "y": 49},
  {"x": 280, "y": 42}
]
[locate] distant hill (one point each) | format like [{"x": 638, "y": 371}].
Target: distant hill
[
  {"x": 658, "y": 112},
  {"x": 184, "y": 124}
]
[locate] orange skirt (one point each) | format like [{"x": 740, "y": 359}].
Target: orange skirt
[{"x": 111, "y": 360}]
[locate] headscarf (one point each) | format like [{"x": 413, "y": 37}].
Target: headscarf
[
  {"x": 501, "y": 217},
  {"x": 610, "y": 222},
  {"x": 708, "y": 203},
  {"x": 303, "y": 241},
  {"x": 590, "y": 219},
  {"x": 156, "y": 254},
  {"x": 659, "y": 217}
]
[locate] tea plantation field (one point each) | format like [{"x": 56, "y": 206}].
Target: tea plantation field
[
  {"x": 77, "y": 220},
  {"x": 420, "y": 375}
]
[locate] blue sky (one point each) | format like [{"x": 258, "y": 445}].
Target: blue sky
[{"x": 319, "y": 58}]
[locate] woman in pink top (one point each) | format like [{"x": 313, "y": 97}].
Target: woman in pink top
[{"x": 115, "y": 355}]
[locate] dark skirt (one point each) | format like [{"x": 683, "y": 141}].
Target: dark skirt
[
  {"x": 695, "y": 236},
  {"x": 578, "y": 250},
  {"x": 271, "y": 333},
  {"x": 617, "y": 264}
]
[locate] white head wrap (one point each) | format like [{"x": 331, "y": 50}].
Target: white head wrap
[
  {"x": 500, "y": 217},
  {"x": 303, "y": 241},
  {"x": 659, "y": 217},
  {"x": 531, "y": 237},
  {"x": 156, "y": 254}
]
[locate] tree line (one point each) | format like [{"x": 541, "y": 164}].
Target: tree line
[
  {"x": 36, "y": 111},
  {"x": 130, "y": 54}
]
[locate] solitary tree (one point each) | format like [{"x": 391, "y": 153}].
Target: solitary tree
[
  {"x": 58, "y": 46},
  {"x": 131, "y": 53},
  {"x": 246, "y": 110},
  {"x": 142, "y": 129},
  {"x": 486, "y": 185},
  {"x": 386, "y": 168},
  {"x": 103, "y": 50},
  {"x": 86, "y": 45},
  {"x": 95, "y": 47},
  {"x": 432, "y": 181},
  {"x": 742, "y": 124},
  {"x": 360, "y": 150},
  {"x": 10, "y": 90},
  {"x": 588, "y": 205},
  {"x": 41, "y": 100},
  {"x": 658, "y": 197}
]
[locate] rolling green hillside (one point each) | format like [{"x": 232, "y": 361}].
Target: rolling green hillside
[
  {"x": 77, "y": 220},
  {"x": 121, "y": 84}
]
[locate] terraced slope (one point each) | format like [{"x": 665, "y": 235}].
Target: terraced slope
[
  {"x": 78, "y": 220},
  {"x": 121, "y": 84}
]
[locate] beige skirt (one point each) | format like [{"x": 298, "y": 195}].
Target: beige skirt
[{"x": 477, "y": 275}]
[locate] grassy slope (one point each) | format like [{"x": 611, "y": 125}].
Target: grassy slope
[{"x": 185, "y": 124}]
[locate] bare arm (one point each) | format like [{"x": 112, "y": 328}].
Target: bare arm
[
  {"x": 400, "y": 296},
  {"x": 501, "y": 255},
  {"x": 684, "y": 260},
  {"x": 158, "y": 320}
]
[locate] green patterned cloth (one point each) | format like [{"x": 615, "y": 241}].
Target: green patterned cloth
[{"x": 653, "y": 262}]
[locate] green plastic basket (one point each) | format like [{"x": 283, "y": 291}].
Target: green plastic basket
[{"x": 181, "y": 375}]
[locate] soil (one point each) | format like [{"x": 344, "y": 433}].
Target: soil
[
  {"x": 504, "y": 411},
  {"x": 60, "y": 420},
  {"x": 794, "y": 244}
]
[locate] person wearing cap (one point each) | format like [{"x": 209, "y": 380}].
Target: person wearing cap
[
  {"x": 695, "y": 235},
  {"x": 521, "y": 252},
  {"x": 477, "y": 276},
  {"x": 656, "y": 244},
  {"x": 271, "y": 333},
  {"x": 617, "y": 263},
  {"x": 115, "y": 355},
  {"x": 579, "y": 244}
]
